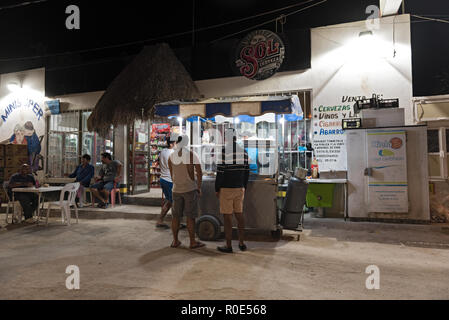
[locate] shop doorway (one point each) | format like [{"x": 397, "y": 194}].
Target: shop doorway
[{"x": 139, "y": 158}]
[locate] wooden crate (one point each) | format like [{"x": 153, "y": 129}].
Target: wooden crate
[
  {"x": 3, "y": 198},
  {"x": 2, "y": 161},
  {"x": 16, "y": 150},
  {"x": 15, "y": 161},
  {"x": 2, "y": 150}
]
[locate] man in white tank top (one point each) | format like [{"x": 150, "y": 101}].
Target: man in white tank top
[
  {"x": 183, "y": 165},
  {"x": 165, "y": 180}
]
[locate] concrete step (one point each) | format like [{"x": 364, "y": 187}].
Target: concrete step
[
  {"x": 142, "y": 201},
  {"x": 119, "y": 212}
]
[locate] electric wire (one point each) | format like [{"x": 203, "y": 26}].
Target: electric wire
[
  {"x": 23, "y": 4},
  {"x": 173, "y": 35},
  {"x": 269, "y": 21},
  {"x": 430, "y": 19}
]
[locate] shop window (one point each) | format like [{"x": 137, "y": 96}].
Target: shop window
[
  {"x": 69, "y": 139},
  {"x": 433, "y": 141},
  {"x": 63, "y": 139},
  {"x": 437, "y": 148},
  {"x": 293, "y": 136}
]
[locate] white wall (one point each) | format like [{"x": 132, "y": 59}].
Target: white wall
[
  {"x": 332, "y": 74},
  {"x": 340, "y": 68},
  {"x": 79, "y": 101}
]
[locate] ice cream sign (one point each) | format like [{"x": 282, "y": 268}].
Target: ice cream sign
[{"x": 386, "y": 148}]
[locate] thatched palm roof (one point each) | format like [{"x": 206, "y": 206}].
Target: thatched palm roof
[{"x": 153, "y": 77}]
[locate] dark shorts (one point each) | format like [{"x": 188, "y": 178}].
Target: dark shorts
[
  {"x": 103, "y": 185},
  {"x": 185, "y": 204},
  {"x": 167, "y": 187}
]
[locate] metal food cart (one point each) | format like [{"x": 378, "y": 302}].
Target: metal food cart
[{"x": 258, "y": 122}]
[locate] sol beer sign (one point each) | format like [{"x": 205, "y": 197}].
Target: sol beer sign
[{"x": 260, "y": 55}]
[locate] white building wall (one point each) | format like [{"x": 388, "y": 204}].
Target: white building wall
[
  {"x": 343, "y": 65},
  {"x": 333, "y": 73}
]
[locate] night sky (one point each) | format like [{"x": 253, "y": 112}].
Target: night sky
[{"x": 35, "y": 35}]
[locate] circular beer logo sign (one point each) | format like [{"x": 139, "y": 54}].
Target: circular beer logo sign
[
  {"x": 396, "y": 143},
  {"x": 260, "y": 55}
]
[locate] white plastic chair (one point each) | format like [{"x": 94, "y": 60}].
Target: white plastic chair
[
  {"x": 16, "y": 207},
  {"x": 65, "y": 205}
]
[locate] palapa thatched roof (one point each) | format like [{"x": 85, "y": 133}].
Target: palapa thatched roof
[{"x": 153, "y": 77}]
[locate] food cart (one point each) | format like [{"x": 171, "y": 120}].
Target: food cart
[{"x": 258, "y": 122}]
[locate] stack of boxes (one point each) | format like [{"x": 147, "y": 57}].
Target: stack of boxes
[{"x": 12, "y": 157}]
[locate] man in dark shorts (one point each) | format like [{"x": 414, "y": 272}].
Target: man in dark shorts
[
  {"x": 183, "y": 164},
  {"x": 109, "y": 175},
  {"x": 28, "y": 201}
]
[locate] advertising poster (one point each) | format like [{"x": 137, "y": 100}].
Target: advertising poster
[
  {"x": 22, "y": 121},
  {"x": 387, "y": 156},
  {"x": 329, "y": 139}
]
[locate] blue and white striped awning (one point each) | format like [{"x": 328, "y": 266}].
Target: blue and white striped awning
[{"x": 232, "y": 107}]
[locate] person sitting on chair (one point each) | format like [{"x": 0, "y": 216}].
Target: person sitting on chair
[
  {"x": 28, "y": 201},
  {"x": 108, "y": 176},
  {"x": 83, "y": 174}
]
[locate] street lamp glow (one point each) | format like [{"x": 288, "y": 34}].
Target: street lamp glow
[{"x": 13, "y": 86}]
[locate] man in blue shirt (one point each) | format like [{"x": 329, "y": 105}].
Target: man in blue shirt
[{"x": 83, "y": 174}]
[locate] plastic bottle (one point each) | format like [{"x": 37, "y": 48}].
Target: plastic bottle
[{"x": 314, "y": 168}]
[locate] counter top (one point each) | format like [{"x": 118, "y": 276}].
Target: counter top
[
  {"x": 327, "y": 180},
  {"x": 340, "y": 181}
]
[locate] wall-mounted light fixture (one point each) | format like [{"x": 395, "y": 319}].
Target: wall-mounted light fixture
[
  {"x": 14, "y": 86},
  {"x": 367, "y": 33}
]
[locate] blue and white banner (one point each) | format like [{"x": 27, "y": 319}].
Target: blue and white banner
[{"x": 233, "y": 107}]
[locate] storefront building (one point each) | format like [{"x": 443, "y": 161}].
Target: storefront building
[
  {"x": 434, "y": 111},
  {"x": 348, "y": 62}
]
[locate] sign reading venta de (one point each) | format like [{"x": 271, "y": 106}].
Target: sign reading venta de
[
  {"x": 260, "y": 55},
  {"x": 20, "y": 118}
]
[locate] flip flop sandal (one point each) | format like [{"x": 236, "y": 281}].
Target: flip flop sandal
[
  {"x": 198, "y": 245},
  {"x": 175, "y": 246},
  {"x": 162, "y": 226}
]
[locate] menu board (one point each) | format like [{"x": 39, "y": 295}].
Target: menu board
[{"x": 329, "y": 139}]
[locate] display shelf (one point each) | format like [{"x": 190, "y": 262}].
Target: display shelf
[{"x": 158, "y": 140}]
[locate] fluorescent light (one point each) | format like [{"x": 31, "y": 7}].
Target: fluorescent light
[
  {"x": 366, "y": 33},
  {"x": 13, "y": 86}
]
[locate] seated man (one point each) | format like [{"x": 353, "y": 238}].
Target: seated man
[
  {"x": 83, "y": 174},
  {"x": 28, "y": 201},
  {"x": 108, "y": 175}
]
